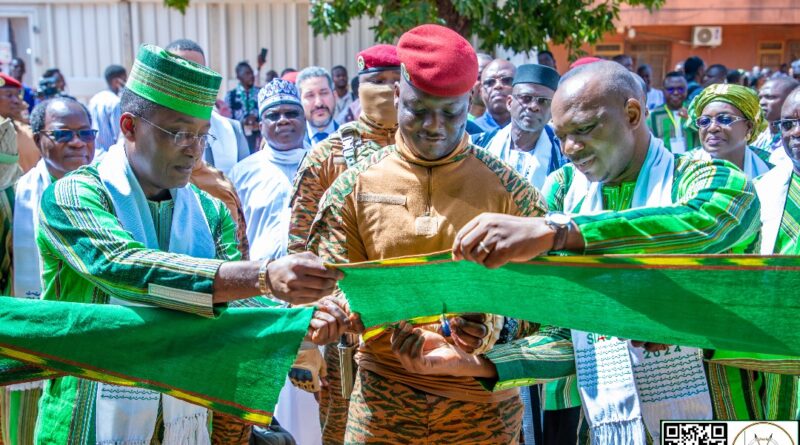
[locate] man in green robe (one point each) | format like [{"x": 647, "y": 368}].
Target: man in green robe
[
  {"x": 670, "y": 121},
  {"x": 622, "y": 193},
  {"x": 131, "y": 231},
  {"x": 779, "y": 191}
]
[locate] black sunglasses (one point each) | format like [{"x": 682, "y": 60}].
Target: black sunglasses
[
  {"x": 274, "y": 116},
  {"x": 65, "y": 136},
  {"x": 786, "y": 125},
  {"x": 505, "y": 81}
]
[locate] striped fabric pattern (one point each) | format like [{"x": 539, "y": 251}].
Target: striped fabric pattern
[
  {"x": 6, "y": 239},
  {"x": 715, "y": 210},
  {"x": 789, "y": 232},
  {"x": 86, "y": 251},
  {"x": 87, "y": 257},
  {"x": 174, "y": 82}
]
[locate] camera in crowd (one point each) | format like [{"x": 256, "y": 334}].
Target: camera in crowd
[{"x": 47, "y": 88}]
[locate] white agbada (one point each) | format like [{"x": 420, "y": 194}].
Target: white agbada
[
  {"x": 533, "y": 165},
  {"x": 27, "y": 262},
  {"x": 624, "y": 390},
  {"x": 128, "y": 415},
  {"x": 263, "y": 182},
  {"x": 224, "y": 146},
  {"x": 27, "y": 265},
  {"x": 772, "y": 190}
]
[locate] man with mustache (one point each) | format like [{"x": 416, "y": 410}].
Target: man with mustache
[
  {"x": 316, "y": 92},
  {"x": 62, "y": 129},
  {"x": 779, "y": 192},
  {"x": 409, "y": 199},
  {"x": 476, "y": 106},
  {"x": 496, "y": 79},
  {"x": 379, "y": 71},
  {"x": 670, "y": 121},
  {"x": 263, "y": 180},
  {"x": 623, "y": 193},
  {"x": 772, "y": 96},
  {"x": 131, "y": 230},
  {"x": 529, "y": 144}
]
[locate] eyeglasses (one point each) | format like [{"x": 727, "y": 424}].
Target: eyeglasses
[
  {"x": 676, "y": 90},
  {"x": 505, "y": 81},
  {"x": 723, "y": 120},
  {"x": 786, "y": 125},
  {"x": 185, "y": 138},
  {"x": 274, "y": 116},
  {"x": 65, "y": 136},
  {"x": 526, "y": 100}
]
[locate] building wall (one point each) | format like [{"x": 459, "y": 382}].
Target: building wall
[
  {"x": 82, "y": 37},
  {"x": 739, "y": 49},
  {"x": 746, "y": 24}
]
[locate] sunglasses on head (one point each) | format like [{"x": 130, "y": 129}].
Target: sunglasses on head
[{"x": 65, "y": 136}]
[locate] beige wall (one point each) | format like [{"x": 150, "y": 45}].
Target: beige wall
[{"x": 82, "y": 37}]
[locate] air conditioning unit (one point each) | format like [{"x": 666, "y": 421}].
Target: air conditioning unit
[{"x": 707, "y": 36}]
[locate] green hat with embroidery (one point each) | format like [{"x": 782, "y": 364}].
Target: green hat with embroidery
[{"x": 174, "y": 82}]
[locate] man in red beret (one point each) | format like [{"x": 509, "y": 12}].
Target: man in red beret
[
  {"x": 13, "y": 106},
  {"x": 410, "y": 199},
  {"x": 379, "y": 71}
]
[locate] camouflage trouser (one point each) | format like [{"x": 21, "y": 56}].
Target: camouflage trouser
[
  {"x": 386, "y": 412},
  {"x": 332, "y": 406},
  {"x": 228, "y": 430}
]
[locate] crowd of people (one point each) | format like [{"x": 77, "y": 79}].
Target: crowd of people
[{"x": 158, "y": 193}]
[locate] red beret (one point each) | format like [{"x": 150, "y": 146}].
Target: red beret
[
  {"x": 7, "y": 81},
  {"x": 584, "y": 61},
  {"x": 291, "y": 76},
  {"x": 437, "y": 60},
  {"x": 377, "y": 58}
]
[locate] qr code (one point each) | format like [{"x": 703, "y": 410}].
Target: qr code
[{"x": 685, "y": 433}]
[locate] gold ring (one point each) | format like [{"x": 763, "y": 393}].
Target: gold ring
[{"x": 484, "y": 248}]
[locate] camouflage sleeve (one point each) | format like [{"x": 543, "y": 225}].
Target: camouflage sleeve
[
  {"x": 333, "y": 235},
  {"x": 307, "y": 194}
]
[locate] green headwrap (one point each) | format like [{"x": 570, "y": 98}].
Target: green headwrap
[
  {"x": 743, "y": 98},
  {"x": 174, "y": 82}
]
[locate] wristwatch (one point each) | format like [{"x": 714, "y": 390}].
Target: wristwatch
[
  {"x": 264, "y": 286},
  {"x": 560, "y": 222}
]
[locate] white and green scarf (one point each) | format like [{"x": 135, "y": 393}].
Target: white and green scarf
[
  {"x": 127, "y": 415},
  {"x": 626, "y": 391}
]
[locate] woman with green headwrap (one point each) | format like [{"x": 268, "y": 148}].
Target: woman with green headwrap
[{"x": 728, "y": 119}]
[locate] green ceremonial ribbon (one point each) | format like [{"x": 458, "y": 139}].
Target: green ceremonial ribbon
[
  {"x": 733, "y": 302},
  {"x": 235, "y": 363}
]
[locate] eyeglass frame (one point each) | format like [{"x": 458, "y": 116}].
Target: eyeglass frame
[
  {"x": 49, "y": 134},
  {"x": 281, "y": 115},
  {"x": 779, "y": 125},
  {"x": 206, "y": 137},
  {"x": 505, "y": 81},
  {"x": 538, "y": 99},
  {"x": 715, "y": 119}
]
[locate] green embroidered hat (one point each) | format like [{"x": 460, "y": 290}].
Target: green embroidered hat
[{"x": 174, "y": 82}]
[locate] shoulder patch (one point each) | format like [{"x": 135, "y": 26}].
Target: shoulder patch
[
  {"x": 345, "y": 183},
  {"x": 519, "y": 187}
]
